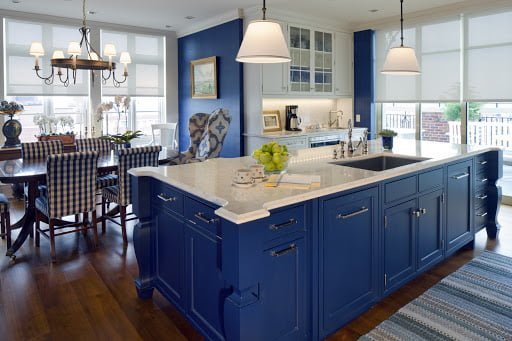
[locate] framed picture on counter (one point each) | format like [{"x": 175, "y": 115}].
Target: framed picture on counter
[
  {"x": 271, "y": 121},
  {"x": 203, "y": 78}
]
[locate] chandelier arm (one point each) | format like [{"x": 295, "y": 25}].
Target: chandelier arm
[
  {"x": 106, "y": 78},
  {"x": 119, "y": 82},
  {"x": 66, "y": 80},
  {"x": 47, "y": 80},
  {"x": 74, "y": 76}
]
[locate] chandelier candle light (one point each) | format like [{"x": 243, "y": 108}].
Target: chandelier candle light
[
  {"x": 263, "y": 42},
  {"x": 401, "y": 60},
  {"x": 93, "y": 60}
]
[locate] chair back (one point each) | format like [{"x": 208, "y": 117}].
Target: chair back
[
  {"x": 164, "y": 134},
  {"x": 40, "y": 150},
  {"x": 90, "y": 144},
  {"x": 196, "y": 126},
  {"x": 146, "y": 156},
  {"x": 71, "y": 181},
  {"x": 213, "y": 137}
]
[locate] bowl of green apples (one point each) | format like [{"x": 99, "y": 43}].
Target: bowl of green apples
[{"x": 273, "y": 156}]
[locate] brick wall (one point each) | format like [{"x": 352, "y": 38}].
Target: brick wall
[{"x": 434, "y": 127}]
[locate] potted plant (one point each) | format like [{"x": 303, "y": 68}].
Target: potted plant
[
  {"x": 387, "y": 138},
  {"x": 49, "y": 129},
  {"x": 124, "y": 139}
]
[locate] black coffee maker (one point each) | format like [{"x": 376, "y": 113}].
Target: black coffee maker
[{"x": 292, "y": 120}]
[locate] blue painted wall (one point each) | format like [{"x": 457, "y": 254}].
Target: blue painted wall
[
  {"x": 222, "y": 41},
  {"x": 364, "y": 80}
]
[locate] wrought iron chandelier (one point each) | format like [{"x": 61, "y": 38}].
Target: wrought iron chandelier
[{"x": 92, "y": 62}]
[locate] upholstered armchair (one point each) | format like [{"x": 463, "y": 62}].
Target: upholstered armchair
[{"x": 207, "y": 134}]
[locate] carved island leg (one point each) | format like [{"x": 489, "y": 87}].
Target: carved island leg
[{"x": 495, "y": 196}]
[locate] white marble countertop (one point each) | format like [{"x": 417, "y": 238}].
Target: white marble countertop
[
  {"x": 211, "y": 180},
  {"x": 303, "y": 133}
]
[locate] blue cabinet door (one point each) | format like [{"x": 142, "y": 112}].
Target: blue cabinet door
[
  {"x": 458, "y": 206},
  {"x": 204, "y": 281},
  {"x": 348, "y": 258},
  {"x": 170, "y": 255},
  {"x": 430, "y": 229},
  {"x": 399, "y": 238},
  {"x": 283, "y": 292}
]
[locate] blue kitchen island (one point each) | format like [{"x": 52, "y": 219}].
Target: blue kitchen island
[{"x": 294, "y": 264}]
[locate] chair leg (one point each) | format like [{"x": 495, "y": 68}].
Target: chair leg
[
  {"x": 104, "y": 214},
  {"x": 52, "y": 241},
  {"x": 85, "y": 221},
  {"x": 8, "y": 229},
  {"x": 2, "y": 225},
  {"x": 123, "y": 223},
  {"x": 95, "y": 228},
  {"x": 38, "y": 228}
]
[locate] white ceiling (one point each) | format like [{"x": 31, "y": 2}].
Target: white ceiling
[{"x": 159, "y": 13}]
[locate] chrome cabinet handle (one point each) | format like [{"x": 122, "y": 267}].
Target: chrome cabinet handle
[
  {"x": 423, "y": 210},
  {"x": 204, "y": 219},
  {"x": 481, "y": 214},
  {"x": 461, "y": 176},
  {"x": 482, "y": 162},
  {"x": 276, "y": 227},
  {"x": 165, "y": 198},
  {"x": 283, "y": 252},
  {"x": 416, "y": 213},
  {"x": 481, "y": 196},
  {"x": 353, "y": 214},
  {"x": 484, "y": 180}
]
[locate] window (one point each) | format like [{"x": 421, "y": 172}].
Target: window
[
  {"x": 400, "y": 117},
  {"x": 441, "y": 122},
  {"x": 54, "y": 106}
]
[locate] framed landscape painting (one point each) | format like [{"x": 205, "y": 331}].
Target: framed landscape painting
[{"x": 203, "y": 74}]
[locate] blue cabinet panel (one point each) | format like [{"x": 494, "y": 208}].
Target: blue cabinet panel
[
  {"x": 430, "y": 229},
  {"x": 206, "y": 285},
  {"x": 458, "y": 206},
  {"x": 399, "y": 239},
  {"x": 400, "y": 189},
  {"x": 348, "y": 258},
  {"x": 283, "y": 292},
  {"x": 170, "y": 255}
]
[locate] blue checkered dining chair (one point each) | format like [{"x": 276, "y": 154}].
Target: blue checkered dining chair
[
  {"x": 102, "y": 146},
  {"x": 71, "y": 190},
  {"x": 146, "y": 156},
  {"x": 5, "y": 219}
]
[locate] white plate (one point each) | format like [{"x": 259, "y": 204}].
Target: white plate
[
  {"x": 239, "y": 185},
  {"x": 259, "y": 180}
]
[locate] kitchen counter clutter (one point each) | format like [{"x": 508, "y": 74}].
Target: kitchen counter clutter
[{"x": 278, "y": 263}]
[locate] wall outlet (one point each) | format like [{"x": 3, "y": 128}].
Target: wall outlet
[{"x": 358, "y": 118}]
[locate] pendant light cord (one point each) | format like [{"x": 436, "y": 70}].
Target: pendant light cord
[
  {"x": 83, "y": 11},
  {"x": 401, "y": 23},
  {"x": 264, "y": 9}
]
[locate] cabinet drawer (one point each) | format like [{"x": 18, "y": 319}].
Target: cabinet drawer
[
  {"x": 482, "y": 163},
  {"x": 481, "y": 196},
  {"x": 167, "y": 197},
  {"x": 400, "y": 189},
  {"x": 430, "y": 179},
  {"x": 202, "y": 215},
  {"x": 284, "y": 222},
  {"x": 481, "y": 216}
]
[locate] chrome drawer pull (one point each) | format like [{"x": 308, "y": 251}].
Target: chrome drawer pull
[
  {"x": 482, "y": 196},
  {"x": 461, "y": 176},
  {"x": 353, "y": 214},
  {"x": 482, "y": 162},
  {"x": 484, "y": 180},
  {"x": 201, "y": 216},
  {"x": 290, "y": 222},
  {"x": 482, "y": 214},
  {"x": 165, "y": 198},
  {"x": 423, "y": 210},
  {"x": 416, "y": 213},
  {"x": 284, "y": 251}
]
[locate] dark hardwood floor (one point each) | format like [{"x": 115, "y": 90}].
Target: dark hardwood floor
[{"x": 89, "y": 294}]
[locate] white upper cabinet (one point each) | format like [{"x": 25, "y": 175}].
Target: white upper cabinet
[
  {"x": 343, "y": 65},
  {"x": 321, "y": 65}
]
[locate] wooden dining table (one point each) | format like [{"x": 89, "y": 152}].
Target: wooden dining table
[{"x": 33, "y": 173}]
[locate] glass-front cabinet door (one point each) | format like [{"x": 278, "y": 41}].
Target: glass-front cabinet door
[
  {"x": 300, "y": 66},
  {"x": 312, "y": 61}
]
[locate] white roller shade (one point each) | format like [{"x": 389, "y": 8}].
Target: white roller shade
[
  {"x": 437, "y": 47},
  {"x": 147, "y": 70},
  {"x": 21, "y": 79},
  {"x": 489, "y": 58}
]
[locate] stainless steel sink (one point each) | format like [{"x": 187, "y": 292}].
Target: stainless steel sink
[{"x": 380, "y": 163}]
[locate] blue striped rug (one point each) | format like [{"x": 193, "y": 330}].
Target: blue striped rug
[{"x": 473, "y": 303}]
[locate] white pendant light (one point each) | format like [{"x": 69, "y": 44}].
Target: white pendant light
[
  {"x": 401, "y": 60},
  {"x": 263, "y": 43}
]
